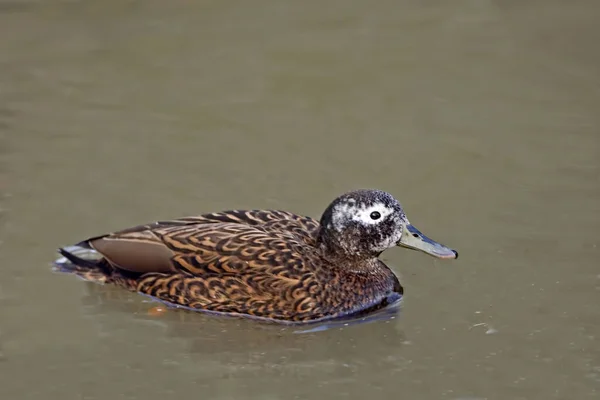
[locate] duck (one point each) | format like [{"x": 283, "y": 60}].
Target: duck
[{"x": 269, "y": 265}]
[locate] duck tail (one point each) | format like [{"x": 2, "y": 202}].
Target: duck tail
[
  {"x": 75, "y": 260},
  {"x": 83, "y": 261}
]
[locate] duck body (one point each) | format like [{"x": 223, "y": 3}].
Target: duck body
[{"x": 264, "y": 264}]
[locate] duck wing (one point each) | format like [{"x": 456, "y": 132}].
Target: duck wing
[
  {"x": 304, "y": 228},
  {"x": 200, "y": 249}
]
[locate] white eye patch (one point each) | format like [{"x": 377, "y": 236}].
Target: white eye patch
[
  {"x": 350, "y": 211},
  {"x": 364, "y": 214}
]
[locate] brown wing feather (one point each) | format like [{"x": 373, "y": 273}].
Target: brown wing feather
[
  {"x": 142, "y": 248},
  {"x": 139, "y": 252},
  {"x": 228, "y": 248}
]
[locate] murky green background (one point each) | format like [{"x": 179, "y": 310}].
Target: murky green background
[{"x": 481, "y": 116}]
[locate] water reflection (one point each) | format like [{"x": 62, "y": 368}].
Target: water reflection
[{"x": 210, "y": 335}]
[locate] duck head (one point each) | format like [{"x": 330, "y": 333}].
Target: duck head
[{"x": 364, "y": 223}]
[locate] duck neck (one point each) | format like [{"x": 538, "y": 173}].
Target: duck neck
[{"x": 344, "y": 253}]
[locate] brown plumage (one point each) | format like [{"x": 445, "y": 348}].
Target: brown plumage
[{"x": 265, "y": 264}]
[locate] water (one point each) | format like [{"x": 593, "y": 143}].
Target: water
[{"x": 480, "y": 116}]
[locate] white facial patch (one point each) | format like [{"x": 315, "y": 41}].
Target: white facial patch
[{"x": 349, "y": 210}]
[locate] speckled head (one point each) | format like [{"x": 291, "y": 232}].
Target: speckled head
[{"x": 364, "y": 223}]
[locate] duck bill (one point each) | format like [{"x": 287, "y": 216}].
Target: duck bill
[{"x": 412, "y": 238}]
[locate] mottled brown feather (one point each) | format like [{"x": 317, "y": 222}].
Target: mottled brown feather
[{"x": 264, "y": 264}]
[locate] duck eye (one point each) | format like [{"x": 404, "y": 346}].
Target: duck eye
[{"x": 375, "y": 215}]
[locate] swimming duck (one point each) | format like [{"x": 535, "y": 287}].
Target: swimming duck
[{"x": 264, "y": 264}]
